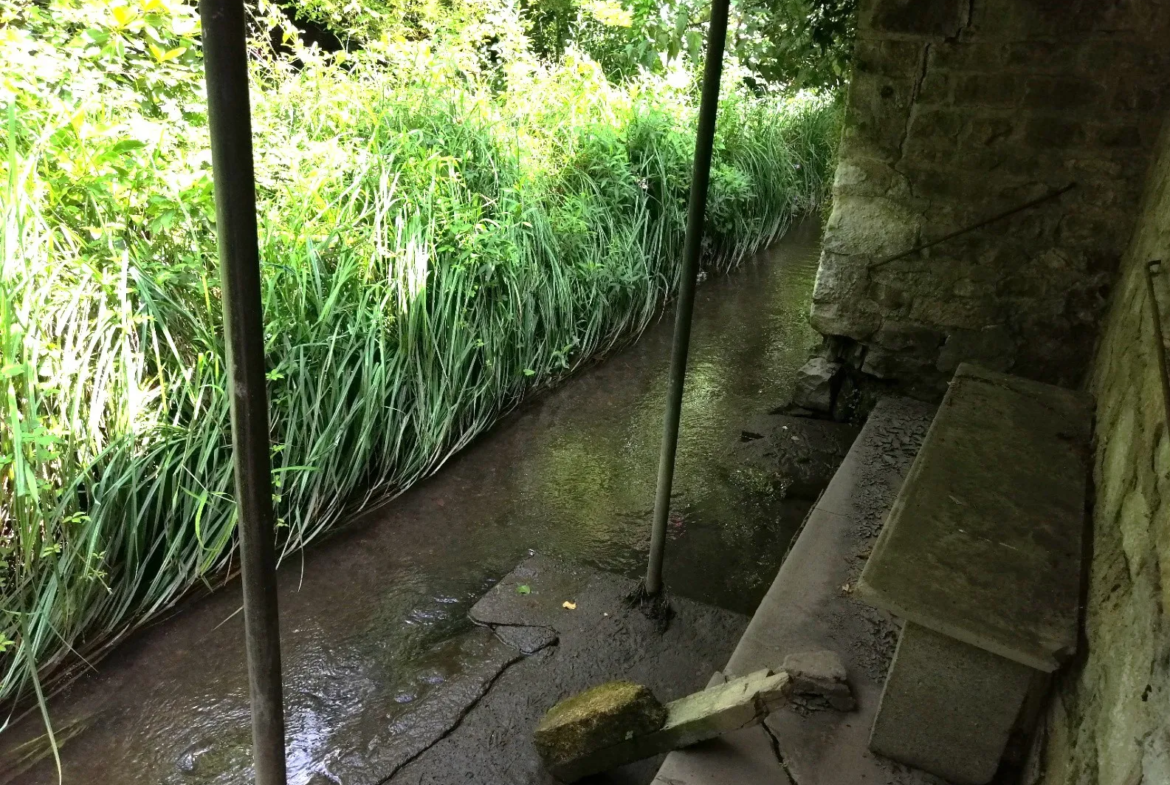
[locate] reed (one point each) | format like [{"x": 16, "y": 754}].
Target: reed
[{"x": 437, "y": 243}]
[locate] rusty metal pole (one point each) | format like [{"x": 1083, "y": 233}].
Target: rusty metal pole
[
  {"x": 692, "y": 246},
  {"x": 226, "y": 67}
]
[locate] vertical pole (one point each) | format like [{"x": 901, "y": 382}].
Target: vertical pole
[
  {"x": 704, "y": 141},
  {"x": 226, "y": 66}
]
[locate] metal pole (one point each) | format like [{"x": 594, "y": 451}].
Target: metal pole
[
  {"x": 226, "y": 66},
  {"x": 704, "y": 141}
]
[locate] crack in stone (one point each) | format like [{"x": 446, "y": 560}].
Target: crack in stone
[
  {"x": 963, "y": 25},
  {"x": 779, "y": 755},
  {"x": 466, "y": 710},
  {"x": 553, "y": 637},
  {"x": 911, "y": 110}
]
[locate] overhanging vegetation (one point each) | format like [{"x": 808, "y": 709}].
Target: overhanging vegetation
[{"x": 444, "y": 228}]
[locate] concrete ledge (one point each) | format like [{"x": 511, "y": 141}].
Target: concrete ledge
[{"x": 811, "y": 606}]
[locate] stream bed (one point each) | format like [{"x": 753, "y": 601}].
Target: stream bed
[{"x": 374, "y": 620}]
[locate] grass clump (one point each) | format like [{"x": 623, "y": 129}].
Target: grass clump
[{"x": 439, "y": 239}]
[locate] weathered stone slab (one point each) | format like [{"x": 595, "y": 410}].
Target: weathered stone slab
[
  {"x": 598, "y": 718},
  {"x": 984, "y": 541},
  {"x": 948, "y": 707},
  {"x": 723, "y": 708}
]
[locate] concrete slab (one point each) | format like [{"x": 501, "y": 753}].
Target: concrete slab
[
  {"x": 948, "y": 706},
  {"x": 811, "y": 606},
  {"x": 984, "y": 542},
  {"x": 595, "y": 640}
]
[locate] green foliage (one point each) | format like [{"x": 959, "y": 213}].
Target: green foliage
[
  {"x": 800, "y": 43},
  {"x": 792, "y": 44},
  {"x": 787, "y": 43},
  {"x": 440, "y": 237}
]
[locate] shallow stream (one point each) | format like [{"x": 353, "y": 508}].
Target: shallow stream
[{"x": 374, "y": 619}]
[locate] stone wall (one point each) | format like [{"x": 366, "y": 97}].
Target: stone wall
[
  {"x": 1109, "y": 722},
  {"x": 962, "y": 109}
]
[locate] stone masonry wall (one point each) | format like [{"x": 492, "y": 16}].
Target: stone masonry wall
[
  {"x": 962, "y": 109},
  {"x": 1109, "y": 721}
]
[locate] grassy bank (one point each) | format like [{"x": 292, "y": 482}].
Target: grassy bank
[{"x": 438, "y": 240}]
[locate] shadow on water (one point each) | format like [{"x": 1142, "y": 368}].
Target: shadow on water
[{"x": 375, "y": 619}]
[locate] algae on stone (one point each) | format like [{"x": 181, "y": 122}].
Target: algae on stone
[{"x": 599, "y": 717}]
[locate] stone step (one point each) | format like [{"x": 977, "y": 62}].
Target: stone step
[{"x": 811, "y": 607}]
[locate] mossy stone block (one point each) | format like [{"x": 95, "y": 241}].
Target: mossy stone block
[{"x": 599, "y": 717}]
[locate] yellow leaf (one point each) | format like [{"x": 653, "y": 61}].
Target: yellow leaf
[
  {"x": 569, "y": 605},
  {"x": 123, "y": 15}
]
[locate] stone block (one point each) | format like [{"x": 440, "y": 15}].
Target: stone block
[
  {"x": 888, "y": 58},
  {"x": 857, "y": 319},
  {"x": 965, "y": 55},
  {"x": 871, "y": 226},
  {"x": 937, "y": 19},
  {"x": 597, "y": 718},
  {"x": 1047, "y": 131},
  {"x": 1132, "y": 97},
  {"x": 866, "y": 177},
  {"x": 819, "y": 680},
  {"x": 995, "y": 89},
  {"x": 816, "y": 385},
  {"x": 986, "y": 131},
  {"x": 909, "y": 337},
  {"x": 1123, "y": 135},
  {"x": 887, "y": 364},
  {"x": 1061, "y": 93},
  {"x": 1039, "y": 57},
  {"x": 992, "y": 347},
  {"x": 935, "y": 88},
  {"x": 936, "y": 123},
  {"x": 948, "y": 707}
]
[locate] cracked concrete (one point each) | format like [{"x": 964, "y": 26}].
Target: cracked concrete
[{"x": 598, "y": 640}]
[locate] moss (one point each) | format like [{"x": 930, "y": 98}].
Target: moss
[{"x": 597, "y": 718}]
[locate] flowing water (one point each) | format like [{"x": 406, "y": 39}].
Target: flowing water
[{"x": 374, "y": 619}]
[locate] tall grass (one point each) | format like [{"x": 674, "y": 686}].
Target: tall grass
[{"x": 435, "y": 246}]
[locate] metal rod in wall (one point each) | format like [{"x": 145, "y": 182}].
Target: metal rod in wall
[
  {"x": 692, "y": 246},
  {"x": 1159, "y": 336},
  {"x": 226, "y": 67}
]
